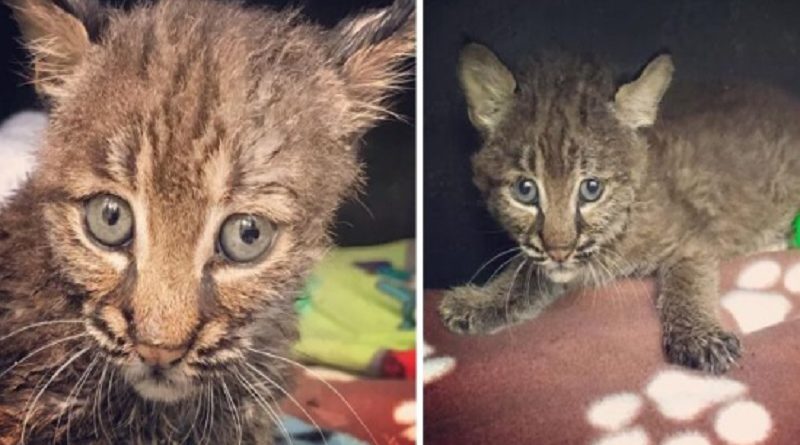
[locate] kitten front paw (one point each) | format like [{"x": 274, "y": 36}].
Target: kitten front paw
[
  {"x": 710, "y": 350},
  {"x": 462, "y": 312}
]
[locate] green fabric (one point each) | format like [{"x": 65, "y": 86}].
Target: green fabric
[{"x": 345, "y": 319}]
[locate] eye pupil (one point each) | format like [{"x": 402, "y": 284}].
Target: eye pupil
[
  {"x": 111, "y": 213},
  {"x": 248, "y": 231}
]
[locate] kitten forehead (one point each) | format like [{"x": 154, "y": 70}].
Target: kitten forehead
[
  {"x": 560, "y": 116},
  {"x": 206, "y": 92}
]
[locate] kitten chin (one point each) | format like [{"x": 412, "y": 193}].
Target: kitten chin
[
  {"x": 557, "y": 273},
  {"x": 157, "y": 391},
  {"x": 561, "y": 274},
  {"x": 167, "y": 386}
]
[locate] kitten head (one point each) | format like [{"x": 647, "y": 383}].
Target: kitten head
[
  {"x": 196, "y": 153},
  {"x": 561, "y": 157}
]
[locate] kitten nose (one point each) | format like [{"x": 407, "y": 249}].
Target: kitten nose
[
  {"x": 559, "y": 253},
  {"x": 155, "y": 356}
]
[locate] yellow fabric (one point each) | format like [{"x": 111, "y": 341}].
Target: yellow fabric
[{"x": 347, "y": 319}]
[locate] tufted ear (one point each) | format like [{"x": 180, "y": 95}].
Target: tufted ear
[
  {"x": 488, "y": 86},
  {"x": 58, "y": 35},
  {"x": 636, "y": 103},
  {"x": 371, "y": 50}
]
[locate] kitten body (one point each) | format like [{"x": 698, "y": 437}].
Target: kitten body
[
  {"x": 188, "y": 114},
  {"x": 713, "y": 176}
]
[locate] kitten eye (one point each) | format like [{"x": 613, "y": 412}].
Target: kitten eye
[
  {"x": 525, "y": 191},
  {"x": 591, "y": 189},
  {"x": 109, "y": 220},
  {"x": 244, "y": 237}
]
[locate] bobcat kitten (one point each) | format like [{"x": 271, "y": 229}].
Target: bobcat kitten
[
  {"x": 196, "y": 153},
  {"x": 593, "y": 186}
]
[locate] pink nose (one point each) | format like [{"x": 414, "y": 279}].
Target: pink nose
[
  {"x": 559, "y": 253},
  {"x": 159, "y": 357}
]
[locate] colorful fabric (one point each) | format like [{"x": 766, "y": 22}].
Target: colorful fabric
[
  {"x": 296, "y": 432},
  {"x": 346, "y": 320},
  {"x": 590, "y": 370}
]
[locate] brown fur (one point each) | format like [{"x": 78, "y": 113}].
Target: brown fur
[
  {"x": 713, "y": 175},
  {"x": 190, "y": 111}
]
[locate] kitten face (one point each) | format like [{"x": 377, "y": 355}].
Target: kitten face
[
  {"x": 560, "y": 165},
  {"x": 191, "y": 170},
  {"x": 562, "y": 193}
]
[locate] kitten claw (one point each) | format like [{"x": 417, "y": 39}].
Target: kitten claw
[{"x": 713, "y": 351}]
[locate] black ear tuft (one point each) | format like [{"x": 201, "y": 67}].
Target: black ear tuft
[
  {"x": 91, "y": 13},
  {"x": 371, "y": 28}
]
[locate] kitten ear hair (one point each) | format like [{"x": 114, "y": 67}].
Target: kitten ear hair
[
  {"x": 372, "y": 50},
  {"x": 91, "y": 13},
  {"x": 56, "y": 34},
  {"x": 636, "y": 103},
  {"x": 488, "y": 86}
]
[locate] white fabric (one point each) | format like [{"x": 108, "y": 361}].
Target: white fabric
[{"x": 19, "y": 136}]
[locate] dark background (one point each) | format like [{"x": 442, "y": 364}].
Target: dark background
[
  {"x": 709, "y": 40},
  {"x": 388, "y": 149}
]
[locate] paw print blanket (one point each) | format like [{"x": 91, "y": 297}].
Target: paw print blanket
[{"x": 590, "y": 370}]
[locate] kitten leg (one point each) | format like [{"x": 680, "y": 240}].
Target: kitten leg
[
  {"x": 692, "y": 335},
  {"x": 518, "y": 293}
]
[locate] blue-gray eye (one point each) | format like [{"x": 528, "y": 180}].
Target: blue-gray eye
[
  {"x": 109, "y": 220},
  {"x": 591, "y": 190},
  {"x": 525, "y": 191},
  {"x": 244, "y": 238}
]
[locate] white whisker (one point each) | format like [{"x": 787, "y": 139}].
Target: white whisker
[
  {"x": 264, "y": 404},
  {"x": 234, "y": 411},
  {"x": 211, "y": 412},
  {"x": 291, "y": 398},
  {"x": 508, "y": 293},
  {"x": 328, "y": 385},
  {"x": 487, "y": 263},
  {"x": 191, "y": 430},
  {"x": 502, "y": 266},
  {"x": 98, "y": 398},
  {"x": 207, "y": 419},
  {"x": 74, "y": 395},
  {"x": 40, "y": 349},
  {"x": 30, "y": 409},
  {"x": 39, "y": 324},
  {"x": 110, "y": 388}
]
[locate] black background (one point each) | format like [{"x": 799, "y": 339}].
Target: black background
[
  {"x": 388, "y": 149},
  {"x": 709, "y": 39}
]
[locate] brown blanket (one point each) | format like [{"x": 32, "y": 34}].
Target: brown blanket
[{"x": 590, "y": 371}]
